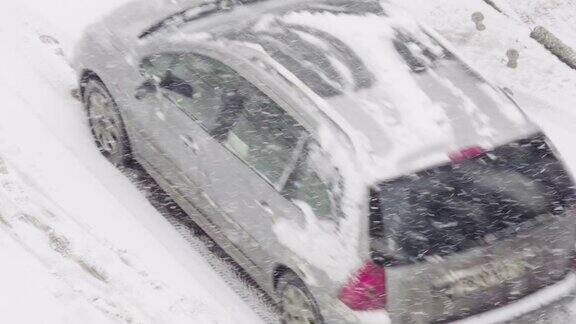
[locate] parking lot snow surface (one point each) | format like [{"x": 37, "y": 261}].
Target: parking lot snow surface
[{"x": 80, "y": 243}]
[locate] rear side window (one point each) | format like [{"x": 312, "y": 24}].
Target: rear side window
[
  {"x": 456, "y": 207},
  {"x": 315, "y": 183},
  {"x": 305, "y": 185}
]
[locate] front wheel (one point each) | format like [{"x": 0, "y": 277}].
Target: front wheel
[
  {"x": 297, "y": 305},
  {"x": 106, "y": 123}
]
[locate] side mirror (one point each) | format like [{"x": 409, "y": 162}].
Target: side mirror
[{"x": 145, "y": 89}]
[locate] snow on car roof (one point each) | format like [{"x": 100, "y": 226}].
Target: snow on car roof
[{"x": 405, "y": 100}]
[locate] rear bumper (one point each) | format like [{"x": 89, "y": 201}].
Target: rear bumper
[
  {"x": 549, "y": 299},
  {"x": 556, "y": 303}
]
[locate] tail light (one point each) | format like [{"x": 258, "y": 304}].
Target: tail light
[
  {"x": 366, "y": 290},
  {"x": 467, "y": 153}
]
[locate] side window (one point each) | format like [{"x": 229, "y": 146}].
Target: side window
[
  {"x": 263, "y": 135},
  {"x": 194, "y": 83},
  {"x": 236, "y": 113},
  {"x": 306, "y": 185}
]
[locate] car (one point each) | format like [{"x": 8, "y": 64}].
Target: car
[{"x": 340, "y": 152}]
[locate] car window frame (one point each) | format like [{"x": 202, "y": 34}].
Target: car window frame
[
  {"x": 336, "y": 213},
  {"x": 165, "y": 92}
]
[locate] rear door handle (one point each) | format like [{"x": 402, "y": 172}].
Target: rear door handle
[
  {"x": 189, "y": 142},
  {"x": 265, "y": 206}
]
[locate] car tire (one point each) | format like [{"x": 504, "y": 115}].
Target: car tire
[
  {"x": 297, "y": 305},
  {"x": 106, "y": 123}
]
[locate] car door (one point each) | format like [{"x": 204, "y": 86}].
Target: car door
[
  {"x": 182, "y": 121},
  {"x": 141, "y": 105},
  {"x": 194, "y": 116},
  {"x": 254, "y": 147},
  {"x": 271, "y": 190}
]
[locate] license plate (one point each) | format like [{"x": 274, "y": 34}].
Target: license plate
[{"x": 464, "y": 282}]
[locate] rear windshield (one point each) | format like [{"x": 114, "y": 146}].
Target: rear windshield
[{"x": 458, "y": 206}]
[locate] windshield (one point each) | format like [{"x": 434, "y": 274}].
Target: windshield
[{"x": 458, "y": 206}]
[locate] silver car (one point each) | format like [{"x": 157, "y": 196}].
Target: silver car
[{"x": 342, "y": 154}]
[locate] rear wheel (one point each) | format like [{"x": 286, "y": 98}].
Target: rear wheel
[
  {"x": 297, "y": 305},
  {"x": 106, "y": 123}
]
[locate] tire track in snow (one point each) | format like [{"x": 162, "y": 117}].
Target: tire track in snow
[
  {"x": 89, "y": 268},
  {"x": 229, "y": 271}
]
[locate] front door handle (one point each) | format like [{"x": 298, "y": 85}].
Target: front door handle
[
  {"x": 145, "y": 89},
  {"x": 189, "y": 142}
]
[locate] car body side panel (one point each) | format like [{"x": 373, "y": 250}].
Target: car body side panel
[{"x": 205, "y": 223}]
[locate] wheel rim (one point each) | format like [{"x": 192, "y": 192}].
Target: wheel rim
[
  {"x": 296, "y": 307},
  {"x": 105, "y": 124}
]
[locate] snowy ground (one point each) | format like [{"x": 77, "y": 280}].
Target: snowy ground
[
  {"x": 77, "y": 237},
  {"x": 559, "y": 16}
]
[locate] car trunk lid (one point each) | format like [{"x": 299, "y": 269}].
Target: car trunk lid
[
  {"x": 448, "y": 288},
  {"x": 466, "y": 237}
]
